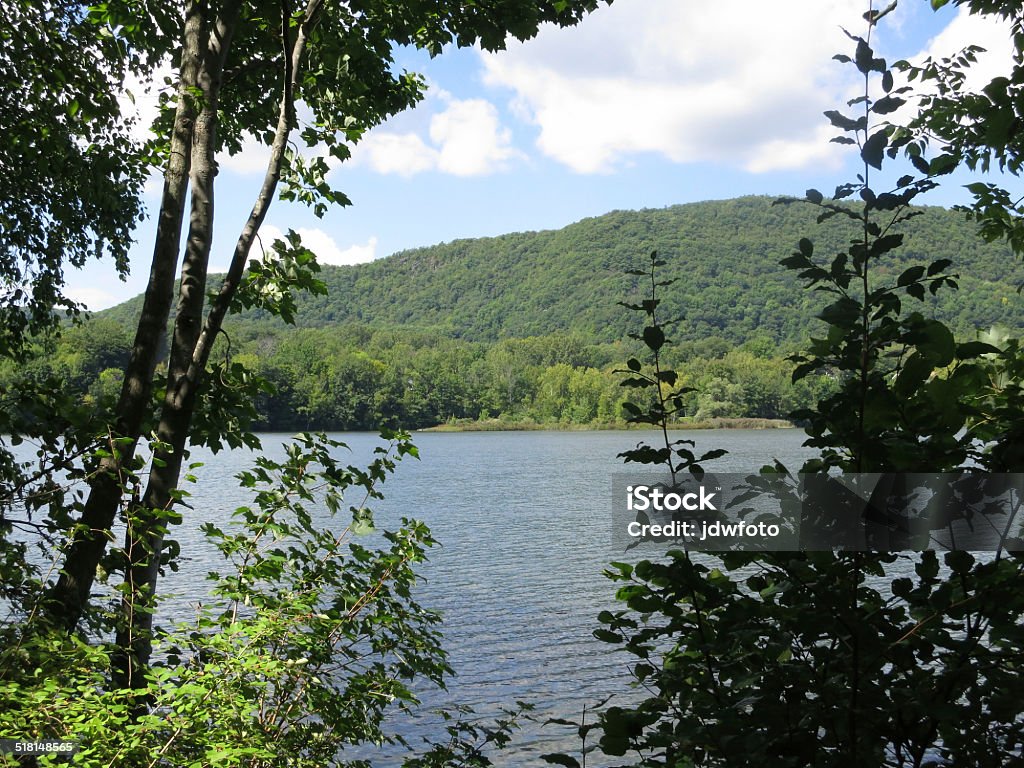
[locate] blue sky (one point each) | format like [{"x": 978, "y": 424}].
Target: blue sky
[{"x": 647, "y": 103}]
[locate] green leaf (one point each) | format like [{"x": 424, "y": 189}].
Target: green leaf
[
  {"x": 668, "y": 377},
  {"x": 942, "y": 165},
  {"x": 560, "y": 759},
  {"x": 874, "y": 148},
  {"x": 959, "y": 561},
  {"x": 864, "y": 58},
  {"x": 972, "y": 349},
  {"x": 887, "y": 105},
  {"x": 654, "y": 337},
  {"x": 911, "y": 275},
  {"x": 844, "y": 313},
  {"x": 844, "y": 123},
  {"x": 915, "y": 371}
]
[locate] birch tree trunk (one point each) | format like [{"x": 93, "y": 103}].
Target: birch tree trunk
[
  {"x": 142, "y": 537},
  {"x": 193, "y": 340},
  {"x": 73, "y": 587}
]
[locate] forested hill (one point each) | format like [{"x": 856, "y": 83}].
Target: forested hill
[{"x": 724, "y": 256}]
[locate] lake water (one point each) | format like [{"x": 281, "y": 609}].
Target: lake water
[{"x": 524, "y": 519}]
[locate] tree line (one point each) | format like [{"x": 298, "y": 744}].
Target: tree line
[{"x": 356, "y": 377}]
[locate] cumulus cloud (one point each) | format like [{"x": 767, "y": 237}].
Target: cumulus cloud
[
  {"x": 140, "y": 101},
  {"x": 732, "y": 81},
  {"x": 466, "y": 138},
  {"x": 405, "y": 154},
  {"x": 94, "y": 299},
  {"x": 140, "y": 104},
  {"x": 323, "y": 245},
  {"x": 989, "y": 32},
  {"x": 470, "y": 140},
  {"x": 250, "y": 161}
]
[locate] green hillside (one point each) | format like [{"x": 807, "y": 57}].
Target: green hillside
[
  {"x": 526, "y": 328},
  {"x": 724, "y": 255}
]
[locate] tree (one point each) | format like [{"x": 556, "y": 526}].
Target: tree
[
  {"x": 979, "y": 130},
  {"x": 309, "y": 636},
  {"x": 842, "y": 658},
  {"x": 243, "y": 67},
  {"x": 72, "y": 171}
]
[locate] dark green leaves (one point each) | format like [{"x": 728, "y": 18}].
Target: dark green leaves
[
  {"x": 971, "y": 349},
  {"x": 846, "y": 123},
  {"x": 272, "y": 282},
  {"x": 716, "y": 649},
  {"x": 667, "y": 403},
  {"x": 888, "y": 104},
  {"x": 844, "y": 313},
  {"x": 865, "y": 60},
  {"x": 874, "y": 148},
  {"x": 911, "y": 275},
  {"x": 654, "y": 337},
  {"x": 73, "y": 172}
]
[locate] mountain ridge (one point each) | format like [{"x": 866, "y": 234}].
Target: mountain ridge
[{"x": 723, "y": 254}]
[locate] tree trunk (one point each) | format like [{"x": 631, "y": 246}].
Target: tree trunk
[
  {"x": 71, "y": 593},
  {"x": 192, "y": 346},
  {"x": 144, "y": 537}
]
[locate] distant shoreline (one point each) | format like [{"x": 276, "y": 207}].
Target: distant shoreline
[{"x": 499, "y": 425}]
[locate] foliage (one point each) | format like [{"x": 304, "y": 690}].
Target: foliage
[
  {"x": 975, "y": 129},
  {"x": 356, "y": 377},
  {"x": 665, "y": 383},
  {"x": 305, "y": 616},
  {"x": 72, "y": 171},
  {"x": 308, "y": 639},
  {"x": 846, "y": 658}
]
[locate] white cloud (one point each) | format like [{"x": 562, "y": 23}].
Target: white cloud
[
  {"x": 470, "y": 139},
  {"x": 141, "y": 100},
  {"x": 140, "y": 104},
  {"x": 989, "y": 32},
  {"x": 465, "y": 139},
  {"x": 251, "y": 160},
  {"x": 405, "y": 154},
  {"x": 94, "y": 299},
  {"x": 733, "y": 81},
  {"x": 323, "y": 245}
]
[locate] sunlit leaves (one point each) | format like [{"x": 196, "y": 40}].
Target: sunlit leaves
[
  {"x": 271, "y": 283},
  {"x": 72, "y": 171}
]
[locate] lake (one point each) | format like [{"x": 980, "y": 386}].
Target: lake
[{"x": 524, "y": 519}]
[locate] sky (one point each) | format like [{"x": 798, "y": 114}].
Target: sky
[{"x": 645, "y": 104}]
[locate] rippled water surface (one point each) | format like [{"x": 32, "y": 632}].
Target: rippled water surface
[{"x": 524, "y": 522}]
